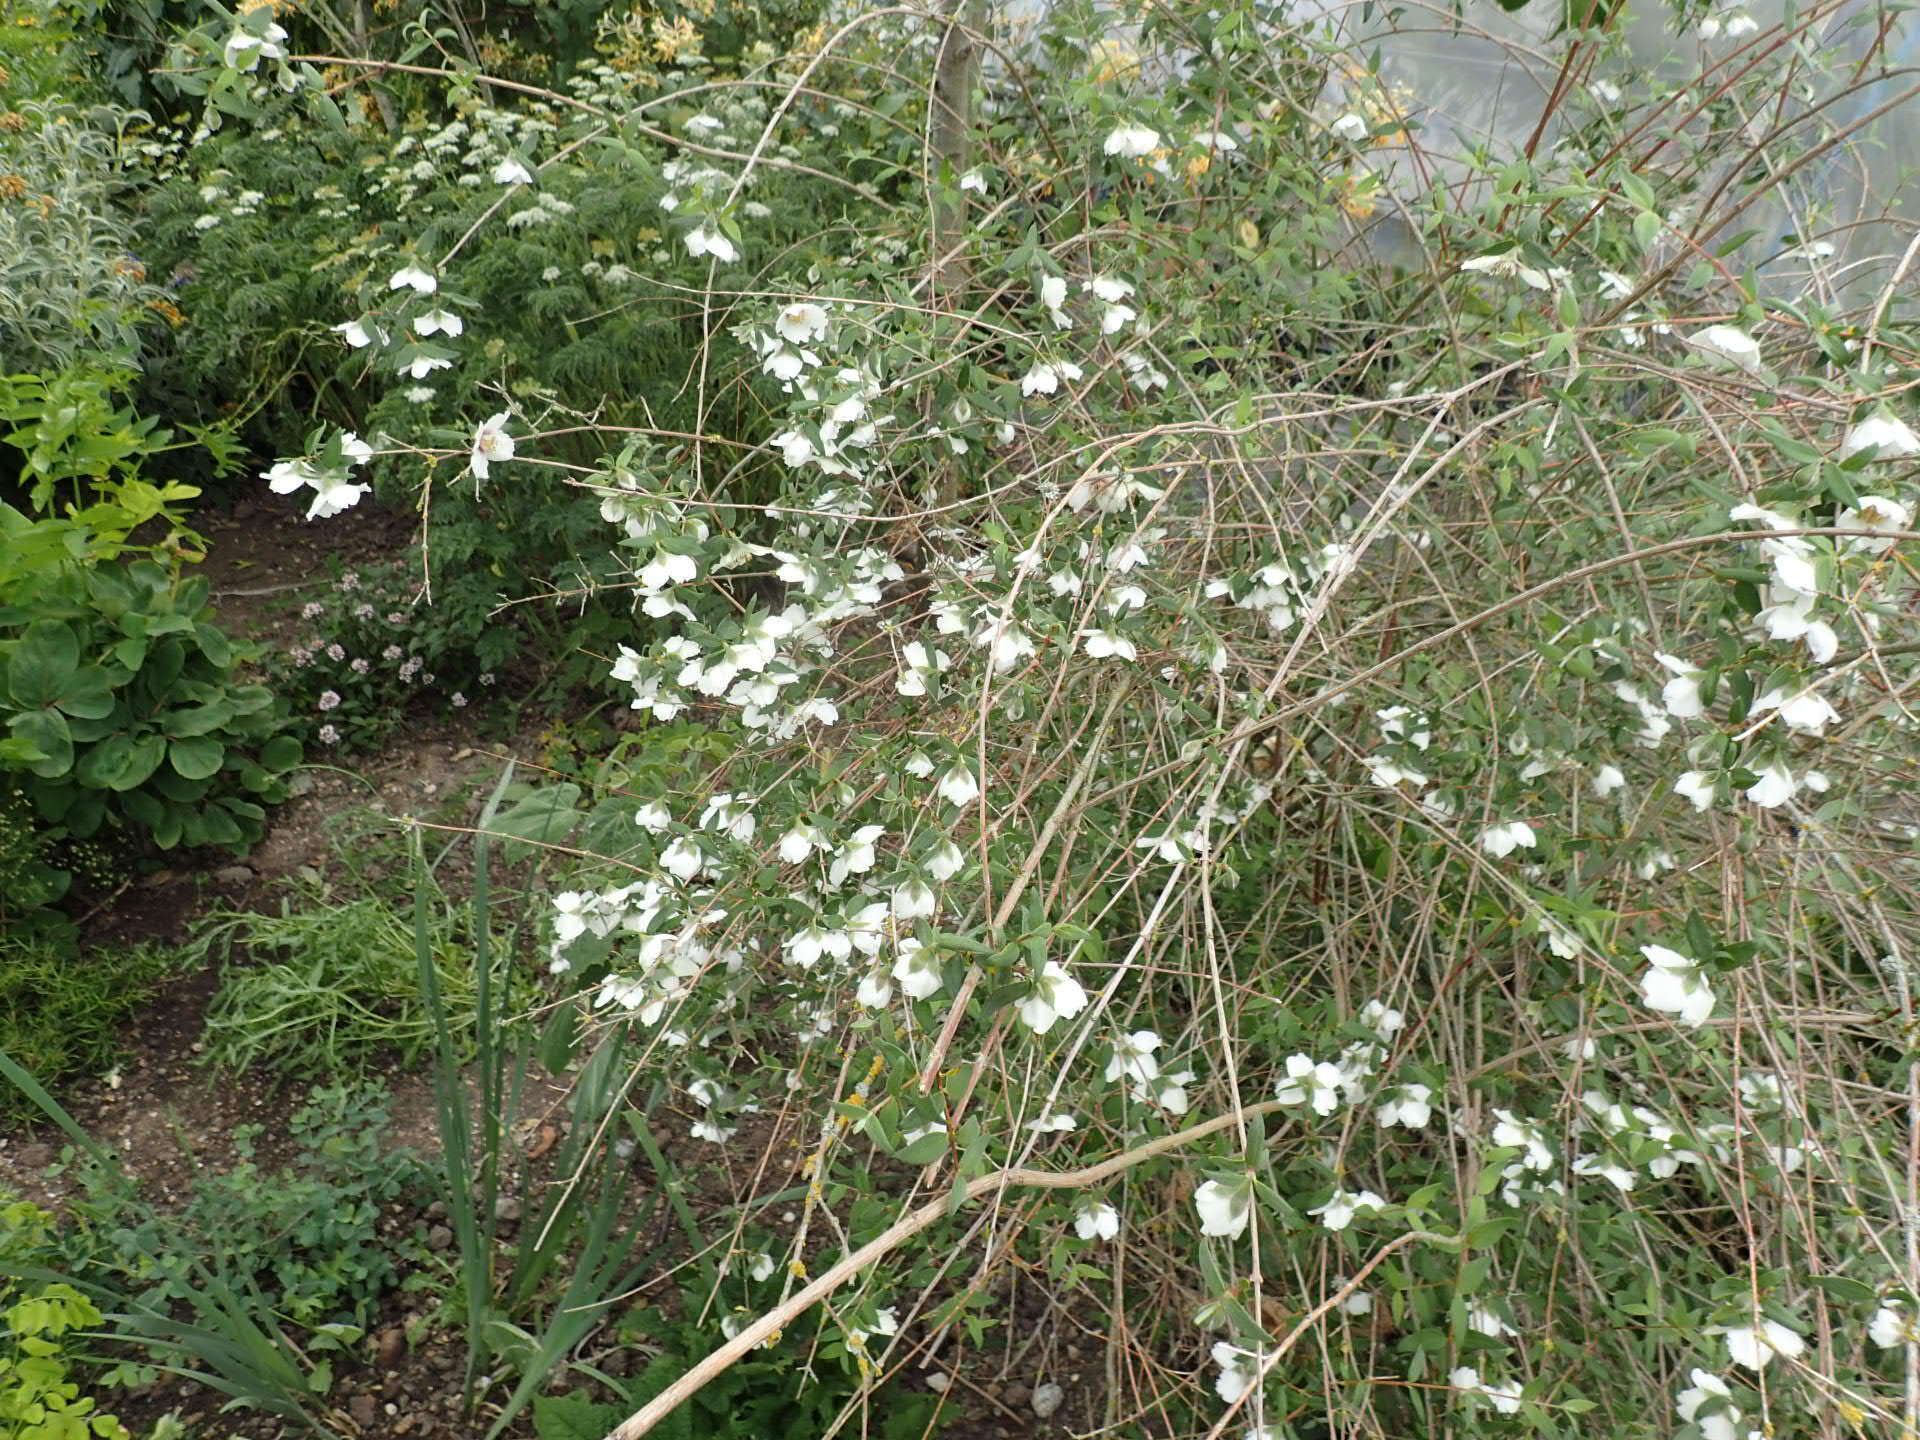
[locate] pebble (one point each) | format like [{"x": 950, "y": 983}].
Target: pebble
[
  {"x": 363, "y": 1409},
  {"x": 506, "y": 1208},
  {"x": 439, "y": 1238},
  {"x": 233, "y": 875},
  {"x": 1046, "y": 1399}
]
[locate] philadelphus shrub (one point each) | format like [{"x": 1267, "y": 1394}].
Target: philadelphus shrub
[{"x": 1406, "y": 768}]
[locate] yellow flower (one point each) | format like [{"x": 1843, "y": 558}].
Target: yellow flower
[{"x": 1113, "y": 60}]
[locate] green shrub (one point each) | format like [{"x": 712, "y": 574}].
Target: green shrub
[
  {"x": 303, "y": 1242},
  {"x": 129, "y": 696},
  {"x": 70, "y": 281},
  {"x": 38, "y": 1399}
]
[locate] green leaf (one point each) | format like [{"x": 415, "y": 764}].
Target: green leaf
[
  {"x": 214, "y": 645},
  {"x": 196, "y": 758},
  {"x": 1843, "y": 1288},
  {"x": 197, "y": 719},
  {"x": 42, "y": 664},
  {"x": 567, "y": 1417},
  {"x": 88, "y": 694},
  {"x": 559, "y": 1040},
  {"x": 144, "y": 758},
  {"x": 545, "y": 816},
  {"x": 280, "y": 753},
  {"x": 47, "y": 732}
]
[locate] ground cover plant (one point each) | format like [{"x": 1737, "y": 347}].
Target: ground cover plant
[{"x": 1285, "y": 723}]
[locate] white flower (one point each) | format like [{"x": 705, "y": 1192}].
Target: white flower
[
  {"x": 1308, "y": 1080},
  {"x": 799, "y": 842},
  {"x": 1132, "y": 142},
  {"x": 1720, "y": 1422},
  {"x": 1890, "y": 1326},
  {"x": 422, "y": 366},
  {"x": 1505, "y": 1398},
  {"x": 1509, "y": 266},
  {"x": 731, "y": 815},
  {"x": 857, "y": 856},
  {"x": 1410, "y": 1106},
  {"x": 1487, "y": 1322},
  {"x": 1681, "y": 694},
  {"x": 1238, "y": 1370},
  {"x": 1343, "y": 1205},
  {"x": 1889, "y": 437},
  {"x": 975, "y": 181},
  {"x": 1382, "y": 1019},
  {"x": 1224, "y": 1209},
  {"x": 1215, "y": 140},
  {"x": 1053, "y": 295},
  {"x": 708, "y": 240},
  {"x": 1874, "y": 512},
  {"x": 945, "y": 861},
  {"x": 1350, "y": 127},
  {"x": 1607, "y": 779},
  {"x": 913, "y": 899},
  {"x": 1808, "y": 711},
  {"x": 712, "y": 1133},
  {"x": 1673, "y": 984},
  {"x": 874, "y": 990},
  {"x": 917, "y": 970},
  {"x": 1055, "y": 994},
  {"x": 413, "y": 277},
  {"x": 332, "y": 494},
  {"x": 1502, "y": 840},
  {"x": 683, "y": 858},
  {"x": 356, "y": 334},
  {"x": 1697, "y": 786},
  {"x": 1060, "y": 1120},
  {"x": 1392, "y": 774},
  {"x": 512, "y": 172},
  {"x": 958, "y": 787},
  {"x": 1724, "y": 342},
  {"x": 491, "y": 442},
  {"x": 801, "y": 324},
  {"x": 1512, "y": 1132},
  {"x": 1618, "y": 1176},
  {"x": 1045, "y": 379},
  {"x": 1133, "y": 1058},
  {"x": 244, "y": 50},
  {"x": 653, "y": 815},
  {"x": 1754, "y": 1347},
  {"x": 1097, "y": 1222},
  {"x": 440, "y": 322},
  {"x": 1100, "y": 644},
  {"x": 1775, "y": 787}
]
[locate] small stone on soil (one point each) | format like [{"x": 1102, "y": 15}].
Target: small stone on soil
[{"x": 1046, "y": 1400}]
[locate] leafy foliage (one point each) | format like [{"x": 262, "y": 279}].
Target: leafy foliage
[
  {"x": 127, "y": 694},
  {"x": 60, "y": 1011},
  {"x": 305, "y": 1242},
  {"x": 38, "y": 1399}
]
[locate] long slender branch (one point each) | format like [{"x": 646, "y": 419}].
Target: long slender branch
[{"x": 903, "y": 1229}]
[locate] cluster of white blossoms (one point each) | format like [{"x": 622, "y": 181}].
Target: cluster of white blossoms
[{"x": 329, "y": 476}]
